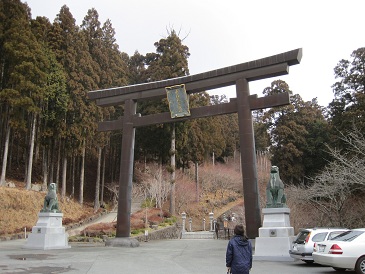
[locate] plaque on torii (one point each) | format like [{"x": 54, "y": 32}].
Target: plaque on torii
[
  {"x": 178, "y": 101},
  {"x": 239, "y": 75}
]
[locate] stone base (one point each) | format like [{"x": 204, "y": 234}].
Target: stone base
[
  {"x": 48, "y": 233},
  {"x": 275, "y": 236},
  {"x": 273, "y": 249},
  {"x": 197, "y": 235},
  {"x": 276, "y": 217},
  {"x": 122, "y": 242},
  {"x": 276, "y": 232}
]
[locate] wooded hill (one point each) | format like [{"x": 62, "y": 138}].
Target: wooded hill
[{"x": 48, "y": 126}]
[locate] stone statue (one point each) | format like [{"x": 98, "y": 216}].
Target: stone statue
[
  {"x": 51, "y": 201},
  {"x": 275, "y": 196}
]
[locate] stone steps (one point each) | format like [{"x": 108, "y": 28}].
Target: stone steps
[{"x": 198, "y": 235}]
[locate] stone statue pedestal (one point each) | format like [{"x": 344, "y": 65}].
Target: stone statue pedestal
[
  {"x": 48, "y": 233},
  {"x": 275, "y": 236}
]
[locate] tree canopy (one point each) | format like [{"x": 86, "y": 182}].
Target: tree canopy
[
  {"x": 48, "y": 127},
  {"x": 347, "y": 109}
]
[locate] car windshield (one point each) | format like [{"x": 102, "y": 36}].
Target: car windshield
[{"x": 348, "y": 236}]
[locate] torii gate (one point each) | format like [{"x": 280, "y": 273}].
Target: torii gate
[{"x": 239, "y": 75}]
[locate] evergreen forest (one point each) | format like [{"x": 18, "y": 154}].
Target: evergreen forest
[{"x": 48, "y": 126}]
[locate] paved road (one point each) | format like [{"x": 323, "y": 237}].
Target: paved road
[{"x": 160, "y": 257}]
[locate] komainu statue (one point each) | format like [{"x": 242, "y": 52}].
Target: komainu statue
[
  {"x": 275, "y": 196},
  {"x": 51, "y": 201}
]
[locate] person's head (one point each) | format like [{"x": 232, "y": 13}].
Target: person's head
[{"x": 239, "y": 230}]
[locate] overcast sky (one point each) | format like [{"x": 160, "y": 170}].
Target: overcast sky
[{"x": 230, "y": 32}]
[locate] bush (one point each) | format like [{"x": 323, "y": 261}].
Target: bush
[
  {"x": 96, "y": 230},
  {"x": 137, "y": 223}
]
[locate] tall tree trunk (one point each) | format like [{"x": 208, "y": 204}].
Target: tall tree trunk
[
  {"x": 111, "y": 165},
  {"x": 77, "y": 171},
  {"x": 51, "y": 165},
  {"x": 73, "y": 175},
  {"x": 173, "y": 167},
  {"x": 5, "y": 157},
  {"x": 64, "y": 176},
  {"x": 58, "y": 164},
  {"x": 30, "y": 161},
  {"x": 37, "y": 145},
  {"x": 18, "y": 152},
  {"x": 197, "y": 180},
  {"x": 3, "y": 129},
  {"x": 45, "y": 167},
  {"x": 25, "y": 157},
  {"x": 10, "y": 153},
  {"x": 97, "y": 185},
  {"x": 81, "y": 194},
  {"x": 103, "y": 181}
]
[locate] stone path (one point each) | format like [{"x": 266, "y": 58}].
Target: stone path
[
  {"x": 107, "y": 218},
  {"x": 227, "y": 207},
  {"x": 136, "y": 205}
]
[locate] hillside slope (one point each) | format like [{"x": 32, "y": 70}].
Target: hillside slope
[{"x": 19, "y": 209}]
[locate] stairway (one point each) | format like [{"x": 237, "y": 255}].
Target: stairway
[{"x": 197, "y": 235}]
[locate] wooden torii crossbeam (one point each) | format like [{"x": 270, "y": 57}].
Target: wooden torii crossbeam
[{"x": 239, "y": 75}]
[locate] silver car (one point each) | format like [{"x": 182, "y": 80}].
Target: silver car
[{"x": 302, "y": 246}]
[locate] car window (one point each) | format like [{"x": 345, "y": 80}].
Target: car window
[
  {"x": 334, "y": 234},
  {"x": 319, "y": 237},
  {"x": 348, "y": 236},
  {"x": 301, "y": 236}
]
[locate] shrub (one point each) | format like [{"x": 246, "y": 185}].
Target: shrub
[{"x": 137, "y": 223}]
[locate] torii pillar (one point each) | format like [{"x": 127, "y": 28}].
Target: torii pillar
[
  {"x": 248, "y": 158},
  {"x": 239, "y": 75}
]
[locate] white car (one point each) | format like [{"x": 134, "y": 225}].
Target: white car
[
  {"x": 346, "y": 251},
  {"x": 302, "y": 247}
]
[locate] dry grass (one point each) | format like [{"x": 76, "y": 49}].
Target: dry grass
[
  {"x": 99, "y": 229},
  {"x": 19, "y": 209}
]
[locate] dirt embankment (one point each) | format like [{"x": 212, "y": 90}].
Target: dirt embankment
[{"x": 19, "y": 210}]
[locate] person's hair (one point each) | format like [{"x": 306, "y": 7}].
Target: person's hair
[{"x": 239, "y": 230}]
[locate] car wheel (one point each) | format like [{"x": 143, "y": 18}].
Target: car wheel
[
  {"x": 360, "y": 265},
  {"x": 339, "y": 269}
]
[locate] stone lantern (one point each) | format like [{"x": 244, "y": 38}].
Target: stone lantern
[
  {"x": 183, "y": 216},
  {"x": 211, "y": 217}
]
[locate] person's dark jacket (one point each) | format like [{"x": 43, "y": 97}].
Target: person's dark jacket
[{"x": 239, "y": 255}]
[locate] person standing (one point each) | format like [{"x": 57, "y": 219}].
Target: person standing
[{"x": 239, "y": 253}]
